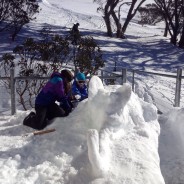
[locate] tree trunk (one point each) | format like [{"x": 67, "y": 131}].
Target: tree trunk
[
  {"x": 118, "y": 25},
  {"x": 131, "y": 15},
  {"x": 108, "y": 25},
  {"x": 166, "y": 29},
  {"x": 106, "y": 17},
  {"x": 174, "y": 39},
  {"x": 181, "y": 42},
  {"x": 125, "y": 25},
  {"x": 175, "y": 31}
]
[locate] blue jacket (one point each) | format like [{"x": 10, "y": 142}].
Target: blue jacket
[
  {"x": 82, "y": 91},
  {"x": 52, "y": 91}
]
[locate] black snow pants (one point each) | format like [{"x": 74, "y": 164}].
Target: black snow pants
[{"x": 40, "y": 119}]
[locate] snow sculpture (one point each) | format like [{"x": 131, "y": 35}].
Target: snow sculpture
[
  {"x": 95, "y": 84},
  {"x": 99, "y": 144},
  {"x": 98, "y": 151}
]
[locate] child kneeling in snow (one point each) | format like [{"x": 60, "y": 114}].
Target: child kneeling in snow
[{"x": 46, "y": 108}]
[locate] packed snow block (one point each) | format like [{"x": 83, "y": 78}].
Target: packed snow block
[
  {"x": 172, "y": 145},
  {"x": 95, "y": 85},
  {"x": 132, "y": 155}
]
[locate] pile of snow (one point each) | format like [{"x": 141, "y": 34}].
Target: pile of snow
[
  {"x": 171, "y": 146},
  {"x": 112, "y": 137}
]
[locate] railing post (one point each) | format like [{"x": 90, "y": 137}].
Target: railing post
[
  {"x": 12, "y": 86},
  {"x": 124, "y": 77},
  {"x": 178, "y": 88},
  {"x": 102, "y": 76},
  {"x": 115, "y": 66},
  {"x": 133, "y": 82}
]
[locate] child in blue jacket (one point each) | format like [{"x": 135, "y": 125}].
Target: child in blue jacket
[
  {"x": 79, "y": 87},
  {"x": 56, "y": 89}
]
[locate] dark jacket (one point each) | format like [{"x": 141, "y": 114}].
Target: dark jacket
[{"x": 75, "y": 28}]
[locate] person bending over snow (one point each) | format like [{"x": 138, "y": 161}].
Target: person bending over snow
[{"x": 56, "y": 89}]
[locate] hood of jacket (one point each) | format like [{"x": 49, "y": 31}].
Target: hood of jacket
[{"x": 55, "y": 74}]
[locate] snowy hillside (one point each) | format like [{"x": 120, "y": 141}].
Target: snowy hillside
[{"x": 116, "y": 135}]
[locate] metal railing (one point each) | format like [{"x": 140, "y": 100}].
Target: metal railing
[
  {"x": 178, "y": 78},
  {"x": 103, "y": 76}
]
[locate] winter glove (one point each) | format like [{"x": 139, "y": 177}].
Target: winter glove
[{"x": 77, "y": 97}]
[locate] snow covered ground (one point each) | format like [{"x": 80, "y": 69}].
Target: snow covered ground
[{"x": 116, "y": 136}]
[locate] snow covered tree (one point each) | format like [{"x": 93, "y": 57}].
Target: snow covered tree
[
  {"x": 181, "y": 41},
  {"x": 172, "y": 10},
  {"x": 150, "y": 14},
  {"x": 34, "y": 58},
  {"x": 88, "y": 56},
  {"x": 111, "y": 10},
  {"x": 15, "y": 14}
]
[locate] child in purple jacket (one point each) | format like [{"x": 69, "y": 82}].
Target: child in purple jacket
[{"x": 56, "y": 89}]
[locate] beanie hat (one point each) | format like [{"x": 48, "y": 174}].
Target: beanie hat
[
  {"x": 67, "y": 74},
  {"x": 80, "y": 77}
]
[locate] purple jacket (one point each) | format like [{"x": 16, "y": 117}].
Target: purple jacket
[{"x": 52, "y": 91}]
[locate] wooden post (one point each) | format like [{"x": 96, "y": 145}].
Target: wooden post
[
  {"x": 124, "y": 77},
  {"x": 44, "y": 131},
  {"x": 178, "y": 88},
  {"x": 12, "y": 86},
  {"x": 40, "y": 132}
]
